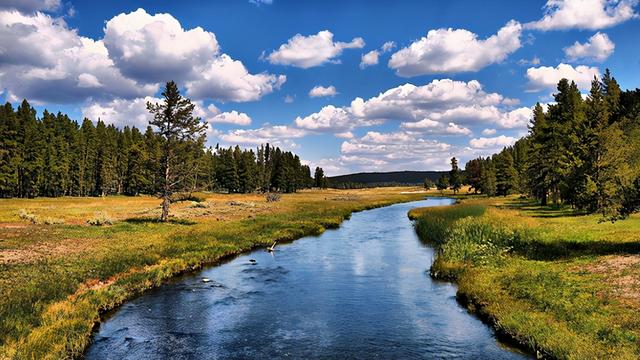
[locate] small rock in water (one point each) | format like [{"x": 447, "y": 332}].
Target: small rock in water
[
  {"x": 252, "y": 260},
  {"x": 205, "y": 280}
]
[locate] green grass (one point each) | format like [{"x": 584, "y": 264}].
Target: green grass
[
  {"x": 562, "y": 285},
  {"x": 57, "y": 280}
]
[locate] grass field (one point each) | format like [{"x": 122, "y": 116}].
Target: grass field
[
  {"x": 564, "y": 285},
  {"x": 58, "y": 273}
]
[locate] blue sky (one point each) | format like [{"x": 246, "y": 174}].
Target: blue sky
[{"x": 455, "y": 78}]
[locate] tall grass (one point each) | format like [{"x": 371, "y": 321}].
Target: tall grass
[{"x": 529, "y": 277}]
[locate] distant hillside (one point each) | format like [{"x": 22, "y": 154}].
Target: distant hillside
[{"x": 394, "y": 177}]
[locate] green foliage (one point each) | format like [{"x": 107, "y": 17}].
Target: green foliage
[
  {"x": 56, "y": 156},
  {"x": 455, "y": 178},
  {"x": 443, "y": 183},
  {"x": 581, "y": 153}
]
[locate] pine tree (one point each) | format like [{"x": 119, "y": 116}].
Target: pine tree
[
  {"x": 455, "y": 179},
  {"x": 506, "y": 176},
  {"x": 8, "y": 151},
  {"x": 318, "y": 178},
  {"x": 175, "y": 123}
]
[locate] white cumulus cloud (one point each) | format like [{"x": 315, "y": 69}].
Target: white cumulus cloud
[
  {"x": 138, "y": 53},
  {"x": 584, "y": 14},
  {"x": 231, "y": 117},
  {"x": 547, "y": 77},
  {"x": 313, "y": 50},
  {"x": 372, "y": 57},
  {"x": 321, "y": 91},
  {"x": 155, "y": 48},
  {"x": 598, "y": 48},
  {"x": 455, "y": 50},
  {"x": 496, "y": 143}
]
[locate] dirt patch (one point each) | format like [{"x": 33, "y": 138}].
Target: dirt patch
[
  {"x": 45, "y": 250},
  {"x": 614, "y": 264},
  {"x": 622, "y": 272}
]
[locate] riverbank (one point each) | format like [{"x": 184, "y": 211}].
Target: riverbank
[
  {"x": 58, "y": 274},
  {"x": 563, "y": 285}
]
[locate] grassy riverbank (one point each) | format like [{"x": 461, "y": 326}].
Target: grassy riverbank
[
  {"x": 563, "y": 285},
  {"x": 57, "y": 279}
]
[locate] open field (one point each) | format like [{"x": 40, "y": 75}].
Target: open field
[
  {"x": 563, "y": 285},
  {"x": 57, "y": 279}
]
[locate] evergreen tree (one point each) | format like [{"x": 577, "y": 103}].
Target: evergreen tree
[
  {"x": 506, "y": 176},
  {"x": 443, "y": 183},
  {"x": 175, "y": 123},
  {"x": 318, "y": 178},
  {"x": 455, "y": 179}
]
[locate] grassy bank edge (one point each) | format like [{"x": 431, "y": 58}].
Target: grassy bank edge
[
  {"x": 451, "y": 272},
  {"x": 67, "y": 326}
]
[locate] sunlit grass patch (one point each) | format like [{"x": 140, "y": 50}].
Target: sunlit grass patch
[{"x": 564, "y": 284}]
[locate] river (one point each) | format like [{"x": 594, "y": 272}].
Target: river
[{"x": 360, "y": 291}]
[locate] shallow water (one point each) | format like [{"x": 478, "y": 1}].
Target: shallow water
[{"x": 360, "y": 291}]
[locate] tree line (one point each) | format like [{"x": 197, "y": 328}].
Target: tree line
[
  {"x": 56, "y": 156},
  {"x": 582, "y": 152}
]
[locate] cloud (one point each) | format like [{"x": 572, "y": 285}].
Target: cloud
[
  {"x": 155, "y": 48},
  {"x": 584, "y": 14},
  {"x": 313, "y": 50},
  {"x": 232, "y": 117},
  {"x": 496, "y": 143},
  {"x": 455, "y": 50},
  {"x": 598, "y": 48},
  {"x": 261, "y": 2},
  {"x": 30, "y": 6},
  {"x": 138, "y": 53},
  {"x": 534, "y": 61},
  {"x": 226, "y": 79},
  {"x": 489, "y": 132},
  {"x": 547, "y": 77},
  {"x": 321, "y": 91},
  {"x": 379, "y": 151},
  {"x": 371, "y": 58},
  {"x": 432, "y": 107},
  {"x": 436, "y": 128},
  {"x": 39, "y": 53},
  {"x": 133, "y": 112},
  {"x": 278, "y": 135},
  {"x": 288, "y": 99},
  {"x": 330, "y": 119}
]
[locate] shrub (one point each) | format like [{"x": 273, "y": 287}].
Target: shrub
[
  {"x": 34, "y": 219},
  {"x": 186, "y": 197},
  {"x": 25, "y": 215},
  {"x": 273, "y": 197},
  {"x": 100, "y": 219},
  {"x": 198, "y": 205}
]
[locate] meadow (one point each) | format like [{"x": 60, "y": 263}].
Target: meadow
[
  {"x": 561, "y": 284},
  {"x": 59, "y": 273}
]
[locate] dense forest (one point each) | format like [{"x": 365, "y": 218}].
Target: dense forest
[
  {"x": 56, "y": 156},
  {"x": 582, "y": 152},
  {"x": 376, "y": 179}
]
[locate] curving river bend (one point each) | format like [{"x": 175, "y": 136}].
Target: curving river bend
[{"x": 360, "y": 291}]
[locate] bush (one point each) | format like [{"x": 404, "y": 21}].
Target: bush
[
  {"x": 273, "y": 197},
  {"x": 198, "y": 205},
  {"x": 186, "y": 197},
  {"x": 34, "y": 219},
  {"x": 25, "y": 215},
  {"x": 100, "y": 219}
]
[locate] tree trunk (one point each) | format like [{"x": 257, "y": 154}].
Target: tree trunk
[{"x": 166, "y": 191}]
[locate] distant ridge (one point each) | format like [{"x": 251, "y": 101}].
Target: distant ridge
[{"x": 392, "y": 177}]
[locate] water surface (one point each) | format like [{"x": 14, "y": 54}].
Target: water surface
[{"x": 360, "y": 291}]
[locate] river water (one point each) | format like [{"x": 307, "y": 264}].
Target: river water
[{"x": 360, "y": 291}]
